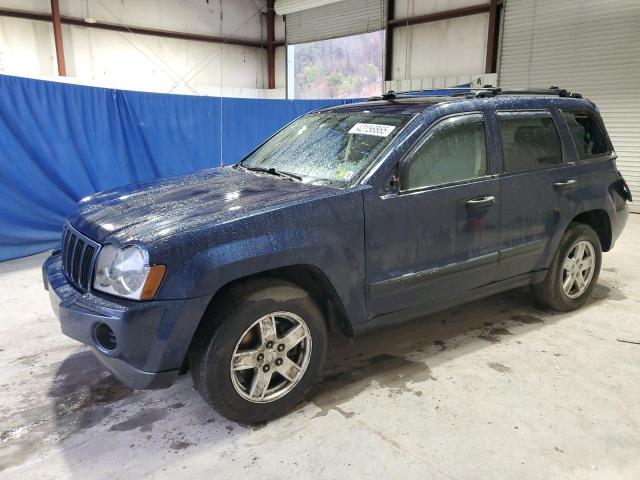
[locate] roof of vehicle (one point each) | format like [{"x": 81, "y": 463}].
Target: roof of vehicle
[
  {"x": 411, "y": 103},
  {"x": 408, "y": 105}
]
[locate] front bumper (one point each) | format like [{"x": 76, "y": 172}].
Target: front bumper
[{"x": 152, "y": 338}]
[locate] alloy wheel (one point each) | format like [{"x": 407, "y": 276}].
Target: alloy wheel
[
  {"x": 271, "y": 357},
  {"x": 578, "y": 268}
]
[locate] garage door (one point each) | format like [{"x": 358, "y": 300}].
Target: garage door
[
  {"x": 588, "y": 46},
  {"x": 313, "y": 20}
]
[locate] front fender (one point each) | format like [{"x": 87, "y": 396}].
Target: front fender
[{"x": 329, "y": 237}]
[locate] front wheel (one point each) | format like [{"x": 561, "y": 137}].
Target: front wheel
[
  {"x": 262, "y": 353},
  {"x": 573, "y": 272}
]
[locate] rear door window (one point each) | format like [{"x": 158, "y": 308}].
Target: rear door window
[
  {"x": 587, "y": 134},
  {"x": 530, "y": 141}
]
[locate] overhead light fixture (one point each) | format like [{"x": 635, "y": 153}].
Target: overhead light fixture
[{"x": 89, "y": 20}]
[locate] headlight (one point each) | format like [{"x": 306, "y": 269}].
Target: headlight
[{"x": 125, "y": 272}]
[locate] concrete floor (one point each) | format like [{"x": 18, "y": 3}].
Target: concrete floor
[{"x": 494, "y": 389}]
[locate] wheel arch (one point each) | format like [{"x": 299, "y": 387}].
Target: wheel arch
[
  {"x": 308, "y": 277},
  {"x": 311, "y": 279},
  {"x": 598, "y": 220}
]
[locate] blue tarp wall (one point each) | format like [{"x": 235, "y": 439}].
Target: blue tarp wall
[{"x": 61, "y": 142}]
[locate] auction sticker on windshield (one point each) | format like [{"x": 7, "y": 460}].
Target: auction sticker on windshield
[
  {"x": 343, "y": 173},
  {"x": 372, "y": 129}
]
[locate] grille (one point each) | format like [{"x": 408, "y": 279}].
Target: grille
[{"x": 78, "y": 257}]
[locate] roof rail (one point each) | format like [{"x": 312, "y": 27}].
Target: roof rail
[
  {"x": 490, "y": 91},
  {"x": 391, "y": 94},
  {"x": 487, "y": 91}
]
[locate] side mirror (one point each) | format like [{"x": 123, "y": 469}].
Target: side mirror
[{"x": 394, "y": 183}]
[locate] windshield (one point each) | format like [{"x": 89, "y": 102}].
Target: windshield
[{"x": 327, "y": 148}]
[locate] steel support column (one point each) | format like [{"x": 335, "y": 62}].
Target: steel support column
[
  {"x": 57, "y": 35},
  {"x": 271, "y": 49},
  {"x": 388, "y": 44},
  {"x": 490, "y": 64}
]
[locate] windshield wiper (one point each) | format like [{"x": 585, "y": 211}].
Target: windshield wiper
[{"x": 272, "y": 171}]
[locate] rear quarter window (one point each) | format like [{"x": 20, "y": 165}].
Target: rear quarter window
[
  {"x": 588, "y": 135},
  {"x": 530, "y": 141}
]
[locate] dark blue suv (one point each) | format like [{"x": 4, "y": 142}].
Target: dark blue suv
[{"x": 348, "y": 219}]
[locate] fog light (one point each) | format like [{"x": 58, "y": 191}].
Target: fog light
[{"x": 105, "y": 338}]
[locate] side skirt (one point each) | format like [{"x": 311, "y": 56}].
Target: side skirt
[{"x": 401, "y": 316}]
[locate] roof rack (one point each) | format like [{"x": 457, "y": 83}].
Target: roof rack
[
  {"x": 391, "y": 94},
  {"x": 491, "y": 91},
  {"x": 487, "y": 91}
]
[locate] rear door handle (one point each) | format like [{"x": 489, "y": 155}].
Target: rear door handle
[
  {"x": 481, "y": 202},
  {"x": 568, "y": 185}
]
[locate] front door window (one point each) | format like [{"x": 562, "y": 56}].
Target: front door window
[{"x": 453, "y": 150}]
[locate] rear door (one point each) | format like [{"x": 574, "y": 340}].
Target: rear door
[
  {"x": 438, "y": 236},
  {"x": 537, "y": 187}
]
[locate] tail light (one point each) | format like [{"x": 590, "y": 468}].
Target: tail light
[{"x": 623, "y": 188}]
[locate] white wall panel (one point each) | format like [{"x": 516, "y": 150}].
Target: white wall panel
[
  {"x": 439, "y": 82},
  {"x": 281, "y": 67},
  {"x": 26, "y": 48},
  {"x": 447, "y": 47},
  {"x": 589, "y": 46},
  {"x": 167, "y": 64},
  {"x": 143, "y": 62},
  {"x": 195, "y": 16}
]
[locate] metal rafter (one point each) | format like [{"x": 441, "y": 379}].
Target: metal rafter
[
  {"x": 444, "y": 15},
  {"x": 79, "y": 22}
]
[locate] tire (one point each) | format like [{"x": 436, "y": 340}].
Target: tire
[
  {"x": 551, "y": 293},
  {"x": 240, "y": 329}
]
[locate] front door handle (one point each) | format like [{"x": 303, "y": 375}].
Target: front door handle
[
  {"x": 568, "y": 185},
  {"x": 481, "y": 202}
]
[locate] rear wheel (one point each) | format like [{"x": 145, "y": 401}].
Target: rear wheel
[
  {"x": 573, "y": 272},
  {"x": 263, "y": 351}
]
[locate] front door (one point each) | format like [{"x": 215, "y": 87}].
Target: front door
[{"x": 437, "y": 237}]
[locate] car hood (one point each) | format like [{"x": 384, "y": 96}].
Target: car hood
[{"x": 151, "y": 211}]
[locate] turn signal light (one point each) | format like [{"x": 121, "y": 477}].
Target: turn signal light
[{"x": 152, "y": 284}]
